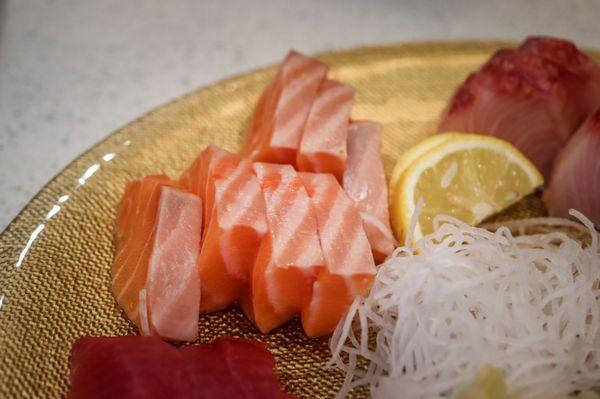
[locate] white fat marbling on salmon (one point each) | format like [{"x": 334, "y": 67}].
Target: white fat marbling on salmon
[
  {"x": 147, "y": 224},
  {"x": 283, "y": 108},
  {"x": 327, "y": 124},
  {"x": 135, "y": 226},
  {"x": 173, "y": 286},
  {"x": 345, "y": 245},
  {"x": 232, "y": 180},
  {"x": 291, "y": 240},
  {"x": 240, "y": 199},
  {"x": 243, "y": 211},
  {"x": 323, "y": 144},
  {"x": 290, "y": 217},
  {"x": 364, "y": 182}
]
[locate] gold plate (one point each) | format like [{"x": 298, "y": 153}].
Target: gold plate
[{"x": 56, "y": 255}]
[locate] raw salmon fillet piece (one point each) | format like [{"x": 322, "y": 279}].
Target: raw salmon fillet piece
[
  {"x": 236, "y": 223},
  {"x": 349, "y": 267},
  {"x": 147, "y": 368},
  {"x": 195, "y": 180},
  {"x": 534, "y": 96},
  {"x": 290, "y": 253},
  {"x": 323, "y": 146},
  {"x": 157, "y": 236},
  {"x": 281, "y": 112},
  {"x": 364, "y": 183},
  {"x": 575, "y": 179},
  {"x": 172, "y": 285}
]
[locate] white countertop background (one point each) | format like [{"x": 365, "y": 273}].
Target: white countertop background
[{"x": 73, "y": 71}]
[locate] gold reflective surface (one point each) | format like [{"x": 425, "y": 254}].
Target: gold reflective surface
[{"x": 55, "y": 257}]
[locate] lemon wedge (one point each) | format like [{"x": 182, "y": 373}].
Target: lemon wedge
[
  {"x": 467, "y": 176},
  {"x": 413, "y": 153}
]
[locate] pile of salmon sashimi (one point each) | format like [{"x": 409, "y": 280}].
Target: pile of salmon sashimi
[{"x": 293, "y": 226}]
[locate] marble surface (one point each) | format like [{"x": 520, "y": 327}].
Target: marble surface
[{"x": 73, "y": 71}]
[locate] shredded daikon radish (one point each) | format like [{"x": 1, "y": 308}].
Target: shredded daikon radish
[
  {"x": 464, "y": 297},
  {"x": 143, "y": 313}
]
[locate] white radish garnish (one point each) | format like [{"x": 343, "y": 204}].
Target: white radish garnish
[{"x": 464, "y": 297}]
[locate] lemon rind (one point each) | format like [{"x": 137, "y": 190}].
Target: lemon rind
[{"x": 405, "y": 187}]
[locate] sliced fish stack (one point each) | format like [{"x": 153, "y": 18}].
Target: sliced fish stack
[{"x": 250, "y": 229}]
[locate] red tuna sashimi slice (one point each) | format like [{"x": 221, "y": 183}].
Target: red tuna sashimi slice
[
  {"x": 575, "y": 179},
  {"x": 350, "y": 267},
  {"x": 134, "y": 241},
  {"x": 228, "y": 368},
  {"x": 172, "y": 293},
  {"x": 364, "y": 183},
  {"x": 323, "y": 146},
  {"x": 147, "y": 368},
  {"x": 127, "y": 367},
  {"x": 290, "y": 253},
  {"x": 280, "y": 114},
  {"x": 534, "y": 97},
  {"x": 234, "y": 233}
]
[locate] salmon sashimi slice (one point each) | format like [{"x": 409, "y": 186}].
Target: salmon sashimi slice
[
  {"x": 135, "y": 226},
  {"x": 156, "y": 227},
  {"x": 364, "y": 183},
  {"x": 323, "y": 145},
  {"x": 281, "y": 112},
  {"x": 350, "y": 267},
  {"x": 195, "y": 179},
  {"x": 534, "y": 97},
  {"x": 173, "y": 287},
  {"x": 234, "y": 233},
  {"x": 134, "y": 367},
  {"x": 575, "y": 179},
  {"x": 235, "y": 223},
  {"x": 290, "y": 253}
]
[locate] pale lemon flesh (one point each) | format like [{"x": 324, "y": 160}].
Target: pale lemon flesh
[
  {"x": 415, "y": 152},
  {"x": 467, "y": 176}
]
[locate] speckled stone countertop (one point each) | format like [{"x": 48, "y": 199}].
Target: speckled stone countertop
[{"x": 73, "y": 71}]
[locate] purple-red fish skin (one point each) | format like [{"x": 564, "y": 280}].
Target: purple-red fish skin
[
  {"x": 145, "y": 367},
  {"x": 578, "y": 70},
  {"x": 534, "y": 97},
  {"x": 575, "y": 179}
]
